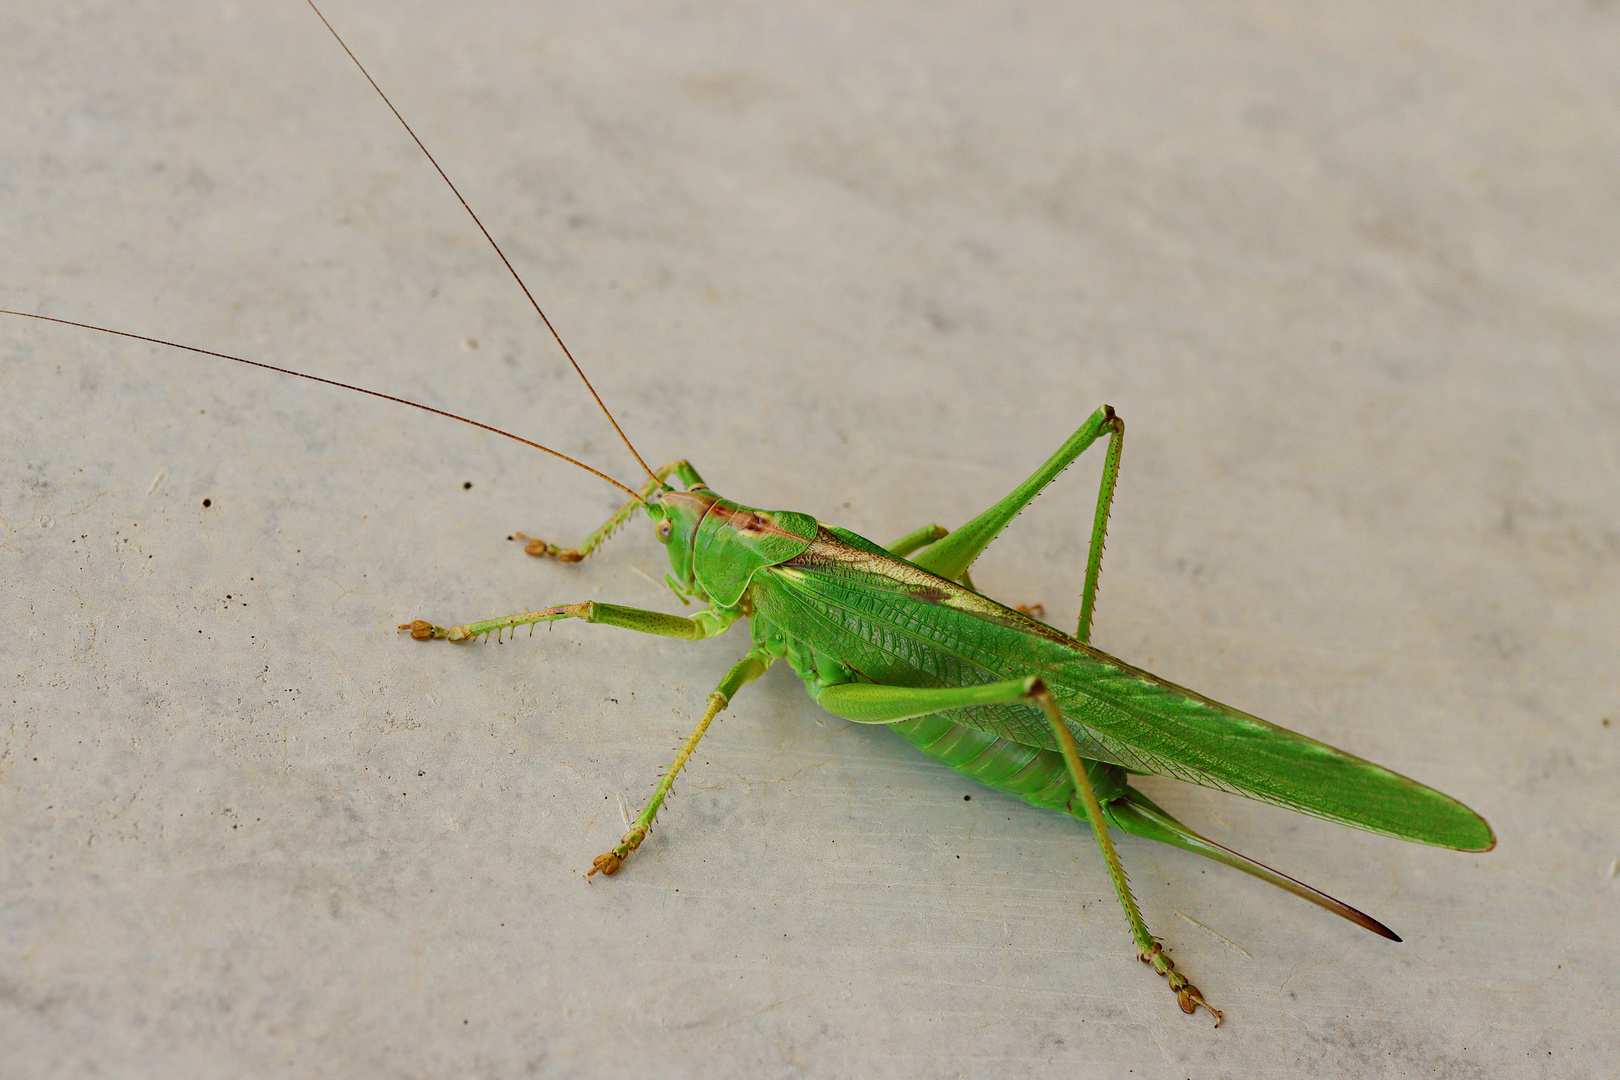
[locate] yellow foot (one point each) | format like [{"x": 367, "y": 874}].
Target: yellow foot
[
  {"x": 610, "y": 862},
  {"x": 541, "y": 548},
  {"x": 422, "y": 630},
  {"x": 1187, "y": 995},
  {"x": 1034, "y": 611}
]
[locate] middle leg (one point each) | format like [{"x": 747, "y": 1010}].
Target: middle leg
[
  {"x": 741, "y": 674},
  {"x": 705, "y": 624}
]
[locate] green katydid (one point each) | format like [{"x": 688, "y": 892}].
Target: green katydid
[
  {"x": 998, "y": 696},
  {"x": 898, "y": 636}
]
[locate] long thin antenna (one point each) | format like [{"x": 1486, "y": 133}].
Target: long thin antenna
[
  {"x": 476, "y": 221},
  {"x": 329, "y": 382}
]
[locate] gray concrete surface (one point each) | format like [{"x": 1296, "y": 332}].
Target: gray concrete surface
[{"x": 1348, "y": 271}]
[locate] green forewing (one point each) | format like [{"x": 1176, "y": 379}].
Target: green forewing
[{"x": 897, "y": 624}]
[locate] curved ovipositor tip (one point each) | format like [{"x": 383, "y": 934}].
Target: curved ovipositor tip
[{"x": 1140, "y": 816}]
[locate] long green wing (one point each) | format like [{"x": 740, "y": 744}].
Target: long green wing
[{"x": 894, "y": 623}]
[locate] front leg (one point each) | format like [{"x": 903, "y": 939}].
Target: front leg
[
  {"x": 705, "y": 624},
  {"x": 681, "y": 469}
]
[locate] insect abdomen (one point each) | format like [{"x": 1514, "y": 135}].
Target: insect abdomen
[{"x": 1037, "y": 776}]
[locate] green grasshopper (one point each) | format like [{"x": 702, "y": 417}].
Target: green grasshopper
[
  {"x": 880, "y": 638},
  {"x": 897, "y": 635}
]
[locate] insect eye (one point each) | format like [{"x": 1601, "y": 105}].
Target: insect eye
[{"x": 665, "y": 530}]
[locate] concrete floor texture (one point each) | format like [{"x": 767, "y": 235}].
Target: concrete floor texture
[{"x": 1349, "y": 272}]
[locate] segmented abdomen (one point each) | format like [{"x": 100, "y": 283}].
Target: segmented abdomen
[{"x": 1037, "y": 776}]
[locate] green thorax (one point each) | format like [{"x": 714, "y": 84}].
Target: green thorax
[{"x": 716, "y": 546}]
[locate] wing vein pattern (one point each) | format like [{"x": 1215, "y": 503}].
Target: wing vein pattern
[{"x": 903, "y": 626}]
